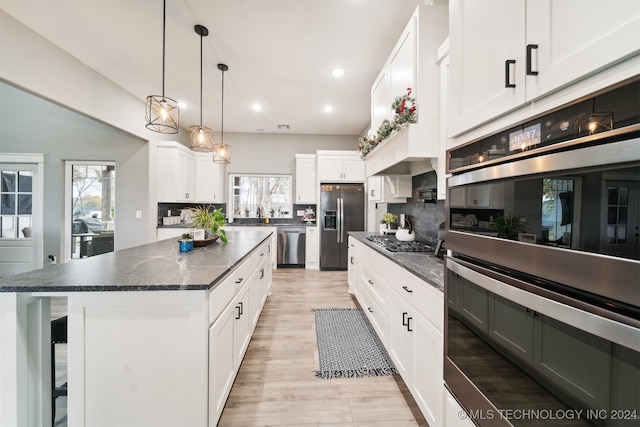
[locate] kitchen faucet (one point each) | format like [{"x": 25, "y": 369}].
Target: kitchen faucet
[{"x": 259, "y": 213}]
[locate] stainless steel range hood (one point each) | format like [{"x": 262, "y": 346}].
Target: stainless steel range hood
[{"x": 406, "y": 152}]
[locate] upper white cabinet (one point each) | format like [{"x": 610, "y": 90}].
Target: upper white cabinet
[
  {"x": 340, "y": 166},
  {"x": 306, "y": 176},
  {"x": 412, "y": 63},
  {"x": 209, "y": 179},
  {"x": 505, "y": 53},
  {"x": 389, "y": 189},
  {"x": 184, "y": 176}
]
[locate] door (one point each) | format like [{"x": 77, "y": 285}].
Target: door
[
  {"x": 21, "y": 207},
  {"x": 90, "y": 208}
]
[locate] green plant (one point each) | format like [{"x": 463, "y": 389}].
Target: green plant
[
  {"x": 389, "y": 218},
  {"x": 203, "y": 217},
  {"x": 509, "y": 227},
  {"x": 186, "y": 236}
]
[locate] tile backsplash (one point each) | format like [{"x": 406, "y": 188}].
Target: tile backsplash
[{"x": 425, "y": 217}]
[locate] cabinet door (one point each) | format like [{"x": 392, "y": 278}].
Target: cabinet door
[
  {"x": 353, "y": 169},
  {"x": 401, "y": 327},
  {"x": 167, "y": 174},
  {"x": 380, "y": 104},
  {"x": 221, "y": 362},
  {"x": 428, "y": 385},
  {"x": 511, "y": 325},
  {"x": 478, "y": 196},
  {"x": 402, "y": 65},
  {"x": 482, "y": 37},
  {"x": 352, "y": 266},
  {"x": 374, "y": 189},
  {"x": 563, "y": 354},
  {"x": 330, "y": 168},
  {"x": 208, "y": 180},
  {"x": 185, "y": 178},
  {"x": 474, "y": 304},
  {"x": 242, "y": 325},
  {"x": 311, "y": 248},
  {"x": 576, "y": 41},
  {"x": 306, "y": 172}
]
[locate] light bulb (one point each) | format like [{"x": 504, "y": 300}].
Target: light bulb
[
  {"x": 163, "y": 113},
  {"x": 201, "y": 135},
  {"x": 592, "y": 127}
]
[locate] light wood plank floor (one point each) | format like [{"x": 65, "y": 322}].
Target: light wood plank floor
[{"x": 276, "y": 385}]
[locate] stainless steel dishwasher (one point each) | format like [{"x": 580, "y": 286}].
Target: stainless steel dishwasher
[{"x": 291, "y": 246}]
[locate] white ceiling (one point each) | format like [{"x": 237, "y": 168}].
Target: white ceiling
[{"x": 279, "y": 52}]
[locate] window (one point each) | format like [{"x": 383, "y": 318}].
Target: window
[
  {"x": 16, "y": 204},
  {"x": 271, "y": 194},
  {"x": 557, "y": 208}
]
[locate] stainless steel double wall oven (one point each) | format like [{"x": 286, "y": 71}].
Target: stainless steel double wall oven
[{"x": 542, "y": 286}]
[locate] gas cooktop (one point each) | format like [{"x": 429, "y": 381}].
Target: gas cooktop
[{"x": 393, "y": 245}]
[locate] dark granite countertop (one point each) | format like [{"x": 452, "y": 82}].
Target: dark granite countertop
[
  {"x": 426, "y": 266},
  {"x": 151, "y": 267},
  {"x": 252, "y": 224}
]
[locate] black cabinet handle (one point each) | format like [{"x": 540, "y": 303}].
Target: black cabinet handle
[
  {"x": 407, "y": 289},
  {"x": 369, "y": 308},
  {"x": 351, "y": 260},
  {"x": 370, "y": 281},
  {"x": 262, "y": 273},
  {"x": 404, "y": 319},
  {"x": 239, "y": 312},
  {"x": 507, "y": 74},
  {"x": 262, "y": 254},
  {"x": 239, "y": 280},
  {"x": 530, "y": 48},
  {"x": 241, "y": 308},
  {"x": 409, "y": 324}
]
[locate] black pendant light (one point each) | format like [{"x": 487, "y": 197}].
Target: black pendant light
[
  {"x": 201, "y": 138},
  {"x": 222, "y": 152},
  {"x": 162, "y": 113}
]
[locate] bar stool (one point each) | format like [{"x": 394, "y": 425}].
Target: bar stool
[{"x": 58, "y": 336}]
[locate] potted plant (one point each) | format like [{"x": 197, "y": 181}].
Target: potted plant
[
  {"x": 386, "y": 221},
  {"x": 186, "y": 242},
  {"x": 210, "y": 220},
  {"x": 509, "y": 227}
]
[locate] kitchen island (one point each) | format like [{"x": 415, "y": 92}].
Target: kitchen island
[{"x": 155, "y": 336}]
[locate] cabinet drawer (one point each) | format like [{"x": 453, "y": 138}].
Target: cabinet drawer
[
  {"x": 224, "y": 292},
  {"x": 377, "y": 287},
  {"x": 376, "y": 315},
  {"x": 426, "y": 299}
]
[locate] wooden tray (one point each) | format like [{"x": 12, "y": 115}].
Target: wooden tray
[{"x": 205, "y": 242}]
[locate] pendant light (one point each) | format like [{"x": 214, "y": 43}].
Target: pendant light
[
  {"x": 162, "y": 113},
  {"x": 201, "y": 138},
  {"x": 222, "y": 152}
]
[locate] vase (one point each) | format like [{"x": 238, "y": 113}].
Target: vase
[{"x": 186, "y": 245}]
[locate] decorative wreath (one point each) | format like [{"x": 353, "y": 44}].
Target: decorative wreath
[{"x": 405, "y": 113}]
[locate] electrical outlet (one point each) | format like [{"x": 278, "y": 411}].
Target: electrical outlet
[
  {"x": 138, "y": 214},
  {"x": 52, "y": 259}
]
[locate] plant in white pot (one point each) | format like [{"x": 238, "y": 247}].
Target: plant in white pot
[
  {"x": 386, "y": 221},
  {"x": 211, "y": 221}
]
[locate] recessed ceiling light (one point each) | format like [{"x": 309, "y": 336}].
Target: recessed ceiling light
[
  {"x": 256, "y": 107},
  {"x": 337, "y": 72},
  {"x": 328, "y": 109}
]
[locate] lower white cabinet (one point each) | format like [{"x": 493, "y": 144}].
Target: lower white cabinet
[
  {"x": 408, "y": 316},
  {"x": 312, "y": 254},
  {"x": 352, "y": 266},
  {"x": 243, "y": 295}
]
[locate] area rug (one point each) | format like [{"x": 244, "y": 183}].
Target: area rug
[{"x": 348, "y": 345}]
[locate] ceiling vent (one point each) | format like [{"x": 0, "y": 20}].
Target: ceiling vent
[{"x": 284, "y": 127}]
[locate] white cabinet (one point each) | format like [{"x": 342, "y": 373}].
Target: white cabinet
[
  {"x": 380, "y": 101},
  {"x": 185, "y": 176},
  {"x": 209, "y": 179},
  {"x": 352, "y": 266},
  {"x": 477, "y": 196},
  {"x": 336, "y": 166},
  {"x": 389, "y": 189},
  {"x": 221, "y": 357},
  {"x": 306, "y": 178},
  {"x": 312, "y": 254},
  {"x": 408, "y": 316},
  {"x": 550, "y": 44}
]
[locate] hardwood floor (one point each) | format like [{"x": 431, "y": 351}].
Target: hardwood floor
[{"x": 276, "y": 385}]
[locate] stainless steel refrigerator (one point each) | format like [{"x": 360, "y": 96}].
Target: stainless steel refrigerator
[{"x": 341, "y": 210}]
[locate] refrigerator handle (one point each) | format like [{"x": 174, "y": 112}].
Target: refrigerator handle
[{"x": 339, "y": 220}]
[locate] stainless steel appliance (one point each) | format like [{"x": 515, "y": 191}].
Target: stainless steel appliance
[
  {"x": 542, "y": 323},
  {"x": 291, "y": 247},
  {"x": 341, "y": 211},
  {"x": 393, "y": 245}
]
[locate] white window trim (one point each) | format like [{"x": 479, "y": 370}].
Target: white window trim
[{"x": 231, "y": 178}]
